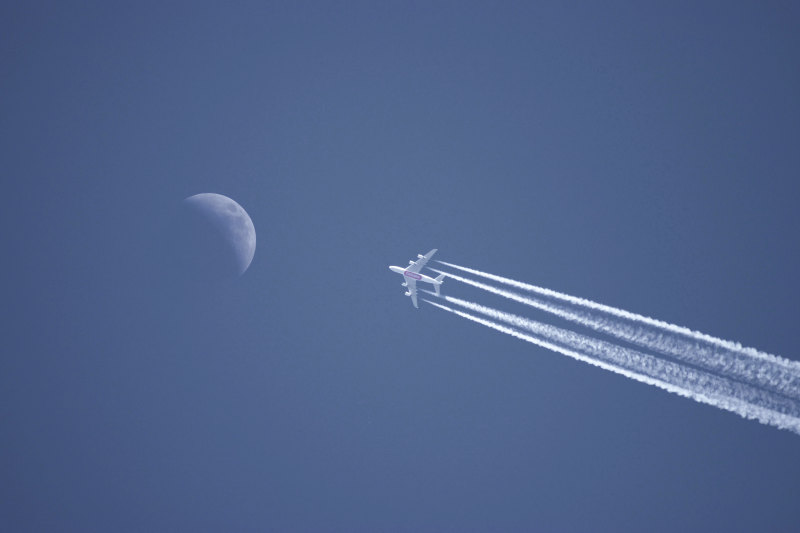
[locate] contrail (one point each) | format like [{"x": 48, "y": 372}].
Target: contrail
[
  {"x": 768, "y": 371},
  {"x": 696, "y": 335},
  {"x": 700, "y": 386}
]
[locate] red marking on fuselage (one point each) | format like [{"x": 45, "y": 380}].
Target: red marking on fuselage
[{"x": 412, "y": 275}]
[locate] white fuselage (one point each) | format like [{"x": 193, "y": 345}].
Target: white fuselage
[{"x": 413, "y": 275}]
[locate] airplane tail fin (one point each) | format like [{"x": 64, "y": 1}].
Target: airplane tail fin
[{"x": 438, "y": 283}]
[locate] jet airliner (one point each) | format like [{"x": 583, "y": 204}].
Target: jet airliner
[{"x": 411, "y": 276}]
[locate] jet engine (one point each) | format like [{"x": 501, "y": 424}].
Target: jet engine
[{"x": 408, "y": 293}]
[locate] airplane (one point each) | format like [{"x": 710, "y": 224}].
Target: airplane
[{"x": 412, "y": 276}]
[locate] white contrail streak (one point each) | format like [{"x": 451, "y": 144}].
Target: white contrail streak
[
  {"x": 768, "y": 371},
  {"x": 696, "y": 335},
  {"x": 703, "y": 387}
]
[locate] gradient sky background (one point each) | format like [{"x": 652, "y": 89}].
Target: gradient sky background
[{"x": 644, "y": 156}]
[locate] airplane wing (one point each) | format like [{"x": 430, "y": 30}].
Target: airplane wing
[
  {"x": 419, "y": 264},
  {"x": 412, "y": 288}
]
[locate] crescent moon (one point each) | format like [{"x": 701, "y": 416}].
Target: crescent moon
[{"x": 231, "y": 221}]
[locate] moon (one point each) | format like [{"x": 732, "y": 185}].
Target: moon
[{"x": 232, "y": 224}]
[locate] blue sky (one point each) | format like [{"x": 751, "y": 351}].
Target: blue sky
[{"x": 643, "y": 156}]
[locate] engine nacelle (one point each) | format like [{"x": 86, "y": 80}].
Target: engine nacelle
[
  {"x": 404, "y": 284},
  {"x": 411, "y": 263},
  {"x": 420, "y": 256},
  {"x": 408, "y": 293}
]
